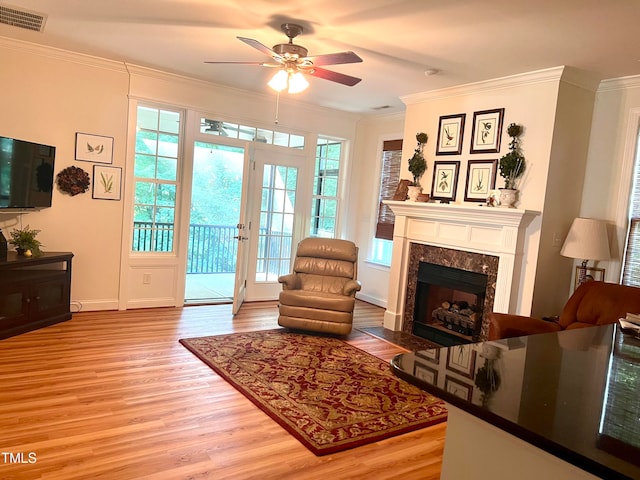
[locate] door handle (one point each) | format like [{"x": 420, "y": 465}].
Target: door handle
[{"x": 240, "y": 238}]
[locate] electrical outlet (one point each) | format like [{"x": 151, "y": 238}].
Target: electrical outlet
[
  {"x": 146, "y": 278},
  {"x": 557, "y": 240}
]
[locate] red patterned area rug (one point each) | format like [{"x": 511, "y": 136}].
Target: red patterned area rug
[{"x": 328, "y": 394}]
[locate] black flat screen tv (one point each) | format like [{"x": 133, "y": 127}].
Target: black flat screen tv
[{"x": 26, "y": 174}]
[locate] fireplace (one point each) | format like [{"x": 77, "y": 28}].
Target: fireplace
[
  {"x": 449, "y": 294},
  {"x": 484, "y": 240},
  {"x": 449, "y": 304}
]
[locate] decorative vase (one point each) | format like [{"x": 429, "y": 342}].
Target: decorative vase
[
  {"x": 414, "y": 191},
  {"x": 508, "y": 197}
]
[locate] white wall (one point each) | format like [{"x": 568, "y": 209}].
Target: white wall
[
  {"x": 529, "y": 100},
  {"x": 367, "y": 163},
  {"x": 48, "y": 96},
  {"x": 52, "y": 94},
  {"x": 555, "y": 108},
  {"x": 612, "y": 152}
]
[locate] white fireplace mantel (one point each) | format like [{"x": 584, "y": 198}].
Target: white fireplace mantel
[{"x": 480, "y": 229}]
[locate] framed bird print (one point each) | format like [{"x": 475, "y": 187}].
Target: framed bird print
[
  {"x": 445, "y": 180},
  {"x": 486, "y": 131},
  {"x": 450, "y": 134},
  {"x": 94, "y": 148}
]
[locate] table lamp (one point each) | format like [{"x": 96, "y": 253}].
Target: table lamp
[{"x": 587, "y": 240}]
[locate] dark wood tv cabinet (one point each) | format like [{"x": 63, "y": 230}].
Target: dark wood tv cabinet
[{"x": 34, "y": 292}]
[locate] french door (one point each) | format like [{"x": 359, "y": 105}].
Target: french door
[
  {"x": 216, "y": 253},
  {"x": 275, "y": 227}
]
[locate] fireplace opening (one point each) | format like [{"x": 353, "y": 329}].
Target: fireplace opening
[{"x": 449, "y": 303}]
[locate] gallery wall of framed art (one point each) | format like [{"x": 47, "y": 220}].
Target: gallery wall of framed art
[{"x": 479, "y": 168}]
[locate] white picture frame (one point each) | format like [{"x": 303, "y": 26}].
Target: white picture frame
[{"x": 107, "y": 183}]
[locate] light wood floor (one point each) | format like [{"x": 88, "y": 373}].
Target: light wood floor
[{"x": 113, "y": 395}]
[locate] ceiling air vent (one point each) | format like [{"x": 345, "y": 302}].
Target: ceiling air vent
[{"x": 22, "y": 18}]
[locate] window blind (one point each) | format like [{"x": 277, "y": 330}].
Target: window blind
[
  {"x": 389, "y": 178},
  {"x": 631, "y": 269},
  {"x": 631, "y": 263}
]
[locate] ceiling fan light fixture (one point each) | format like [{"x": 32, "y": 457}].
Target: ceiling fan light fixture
[
  {"x": 289, "y": 81},
  {"x": 297, "y": 83},
  {"x": 279, "y": 81}
]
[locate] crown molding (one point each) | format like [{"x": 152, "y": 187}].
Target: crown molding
[
  {"x": 622, "y": 83},
  {"x": 539, "y": 76},
  {"x": 131, "y": 69},
  {"x": 141, "y": 71},
  {"x": 61, "y": 54}
]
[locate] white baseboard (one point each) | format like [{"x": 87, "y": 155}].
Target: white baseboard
[{"x": 373, "y": 300}]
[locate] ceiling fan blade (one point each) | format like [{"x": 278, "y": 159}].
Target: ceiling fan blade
[
  {"x": 334, "y": 58},
  {"x": 333, "y": 76},
  {"x": 259, "y": 46},
  {"x": 262, "y": 64}
]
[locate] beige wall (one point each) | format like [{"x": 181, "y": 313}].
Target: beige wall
[
  {"x": 48, "y": 96},
  {"x": 52, "y": 94},
  {"x": 529, "y": 100},
  {"x": 367, "y": 162},
  {"x": 612, "y": 152},
  {"x": 581, "y": 143}
]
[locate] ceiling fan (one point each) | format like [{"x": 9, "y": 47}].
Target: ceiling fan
[{"x": 293, "y": 62}]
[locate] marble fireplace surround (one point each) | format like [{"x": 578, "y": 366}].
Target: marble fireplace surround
[{"x": 488, "y": 231}]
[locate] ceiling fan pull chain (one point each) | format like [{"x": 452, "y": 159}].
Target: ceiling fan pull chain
[{"x": 277, "y": 106}]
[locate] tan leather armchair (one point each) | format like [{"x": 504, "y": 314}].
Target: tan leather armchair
[
  {"x": 593, "y": 303},
  {"x": 319, "y": 295}
]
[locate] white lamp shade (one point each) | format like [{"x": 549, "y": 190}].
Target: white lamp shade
[
  {"x": 297, "y": 83},
  {"x": 587, "y": 240},
  {"x": 289, "y": 81},
  {"x": 279, "y": 81}
]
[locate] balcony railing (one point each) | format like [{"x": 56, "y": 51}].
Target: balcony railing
[{"x": 212, "y": 248}]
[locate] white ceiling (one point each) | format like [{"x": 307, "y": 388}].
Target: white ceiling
[{"x": 465, "y": 40}]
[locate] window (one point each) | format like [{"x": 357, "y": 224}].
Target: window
[
  {"x": 157, "y": 154},
  {"x": 251, "y": 134},
  {"x": 631, "y": 262},
  {"x": 324, "y": 202},
  {"x": 382, "y": 244}
]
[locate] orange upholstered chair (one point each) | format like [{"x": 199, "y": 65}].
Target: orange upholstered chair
[{"x": 593, "y": 303}]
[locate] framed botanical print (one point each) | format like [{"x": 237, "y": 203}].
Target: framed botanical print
[
  {"x": 430, "y": 354},
  {"x": 425, "y": 373},
  {"x": 445, "y": 180},
  {"x": 450, "y": 134},
  {"x": 94, "y": 148},
  {"x": 461, "y": 359},
  {"x": 487, "y": 131},
  {"x": 481, "y": 179},
  {"x": 107, "y": 182},
  {"x": 459, "y": 389}
]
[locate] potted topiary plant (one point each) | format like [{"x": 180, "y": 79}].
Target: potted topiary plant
[
  {"x": 25, "y": 241},
  {"x": 511, "y": 167},
  {"x": 417, "y": 165}
]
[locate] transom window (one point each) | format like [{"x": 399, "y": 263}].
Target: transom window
[{"x": 251, "y": 134}]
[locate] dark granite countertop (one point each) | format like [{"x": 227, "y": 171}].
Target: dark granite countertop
[{"x": 574, "y": 394}]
